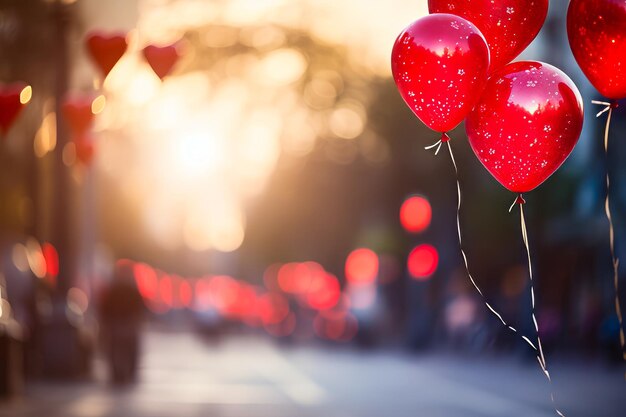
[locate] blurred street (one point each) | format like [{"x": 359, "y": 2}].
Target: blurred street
[
  {"x": 183, "y": 375},
  {"x": 226, "y": 208}
]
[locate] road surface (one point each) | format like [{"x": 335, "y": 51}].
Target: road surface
[{"x": 244, "y": 376}]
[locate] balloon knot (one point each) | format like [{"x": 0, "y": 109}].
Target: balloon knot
[
  {"x": 444, "y": 137},
  {"x": 614, "y": 104}
]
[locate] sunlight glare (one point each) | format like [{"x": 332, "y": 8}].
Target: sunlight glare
[
  {"x": 227, "y": 235},
  {"x": 198, "y": 152},
  {"x": 282, "y": 67}
]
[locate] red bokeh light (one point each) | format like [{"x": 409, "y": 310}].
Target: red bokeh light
[
  {"x": 245, "y": 304},
  {"x": 423, "y": 261},
  {"x": 303, "y": 275},
  {"x": 362, "y": 266},
  {"x": 202, "y": 294},
  {"x": 272, "y": 308},
  {"x": 146, "y": 280},
  {"x": 166, "y": 290},
  {"x": 324, "y": 292},
  {"x": 176, "y": 281},
  {"x": 415, "y": 214},
  {"x": 270, "y": 277},
  {"x": 224, "y": 290},
  {"x": 51, "y": 256},
  {"x": 298, "y": 277},
  {"x": 185, "y": 293},
  {"x": 287, "y": 278}
]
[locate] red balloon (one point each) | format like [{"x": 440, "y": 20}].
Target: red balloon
[
  {"x": 525, "y": 124},
  {"x": 439, "y": 64},
  {"x": 161, "y": 58},
  {"x": 10, "y": 105},
  {"x": 106, "y": 49},
  {"x": 78, "y": 114},
  {"x": 508, "y": 25},
  {"x": 597, "y": 35}
]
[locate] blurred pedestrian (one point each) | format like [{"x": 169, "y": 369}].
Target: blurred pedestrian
[{"x": 121, "y": 316}]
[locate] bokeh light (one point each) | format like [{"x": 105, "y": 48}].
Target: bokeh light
[
  {"x": 415, "y": 214},
  {"x": 423, "y": 261},
  {"x": 185, "y": 293},
  {"x": 272, "y": 308},
  {"x": 77, "y": 300},
  {"x": 146, "y": 280},
  {"x": 362, "y": 266},
  {"x": 202, "y": 297},
  {"x": 35, "y": 257},
  {"x": 19, "y": 257},
  {"x": 51, "y": 257},
  {"x": 166, "y": 291},
  {"x": 324, "y": 291},
  {"x": 98, "y": 104},
  {"x": 270, "y": 277},
  {"x": 26, "y": 94},
  {"x": 46, "y": 139}
]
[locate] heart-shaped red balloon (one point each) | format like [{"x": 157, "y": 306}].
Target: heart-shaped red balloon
[
  {"x": 84, "y": 149},
  {"x": 597, "y": 35},
  {"x": 10, "y": 105},
  {"x": 106, "y": 49},
  {"x": 525, "y": 124},
  {"x": 509, "y": 26},
  {"x": 439, "y": 64},
  {"x": 161, "y": 58},
  {"x": 78, "y": 114}
]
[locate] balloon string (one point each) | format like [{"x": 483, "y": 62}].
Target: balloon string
[
  {"x": 437, "y": 144},
  {"x": 458, "y": 228},
  {"x": 607, "y": 209},
  {"x": 540, "y": 356},
  {"x": 608, "y": 107}
]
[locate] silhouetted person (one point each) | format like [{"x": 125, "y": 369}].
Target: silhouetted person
[{"x": 121, "y": 315}]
